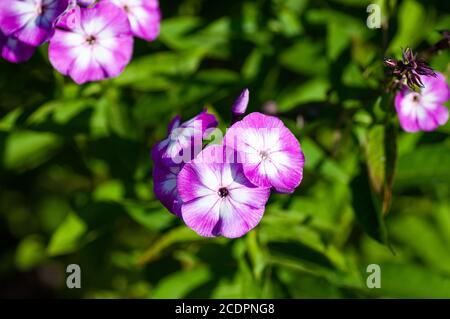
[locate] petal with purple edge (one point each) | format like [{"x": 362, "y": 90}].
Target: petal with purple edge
[
  {"x": 403, "y": 106},
  {"x": 270, "y": 153},
  {"x": 144, "y": 17},
  {"x": 218, "y": 200},
  {"x": 96, "y": 47},
  {"x": 202, "y": 215},
  {"x": 436, "y": 89},
  {"x": 184, "y": 140},
  {"x": 424, "y": 110},
  {"x": 16, "y": 51},
  {"x": 30, "y": 21},
  {"x": 165, "y": 187}
]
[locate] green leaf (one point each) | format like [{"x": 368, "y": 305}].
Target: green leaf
[
  {"x": 411, "y": 281},
  {"x": 68, "y": 236},
  {"x": 153, "y": 218},
  {"x": 312, "y": 91},
  {"x": 425, "y": 166},
  {"x": 381, "y": 150},
  {"x": 431, "y": 248},
  {"x": 305, "y": 57},
  {"x": 412, "y": 25},
  {"x": 153, "y": 72},
  {"x": 179, "y": 284},
  {"x": 24, "y": 150},
  {"x": 368, "y": 215},
  {"x": 180, "y": 234},
  {"x": 30, "y": 252}
]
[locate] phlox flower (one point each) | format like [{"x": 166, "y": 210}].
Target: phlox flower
[
  {"x": 144, "y": 16},
  {"x": 30, "y": 21},
  {"x": 424, "y": 110},
  {"x": 184, "y": 140},
  {"x": 15, "y": 51},
  {"x": 170, "y": 155},
  {"x": 270, "y": 154},
  {"x": 92, "y": 44},
  {"x": 217, "y": 197}
]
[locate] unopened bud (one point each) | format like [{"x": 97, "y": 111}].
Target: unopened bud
[{"x": 240, "y": 106}]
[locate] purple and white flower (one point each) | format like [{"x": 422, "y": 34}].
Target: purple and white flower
[
  {"x": 424, "y": 110},
  {"x": 270, "y": 154},
  {"x": 217, "y": 197},
  {"x": 92, "y": 44},
  {"x": 30, "y": 21},
  {"x": 15, "y": 51},
  {"x": 170, "y": 155},
  {"x": 144, "y": 16},
  {"x": 184, "y": 140},
  {"x": 165, "y": 186}
]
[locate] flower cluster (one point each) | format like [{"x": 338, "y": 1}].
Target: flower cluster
[
  {"x": 88, "y": 40},
  {"x": 221, "y": 189},
  {"x": 409, "y": 70}
]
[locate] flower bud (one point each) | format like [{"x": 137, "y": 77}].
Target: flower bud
[{"x": 240, "y": 106}]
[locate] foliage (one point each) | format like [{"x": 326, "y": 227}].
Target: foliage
[{"x": 75, "y": 170}]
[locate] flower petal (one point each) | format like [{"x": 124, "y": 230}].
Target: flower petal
[
  {"x": 16, "y": 51},
  {"x": 165, "y": 187},
  {"x": 436, "y": 89},
  {"x": 184, "y": 141},
  {"x": 236, "y": 219},
  {"x": 425, "y": 110},
  {"x": 23, "y": 20},
  {"x": 269, "y": 152},
  {"x": 217, "y": 197},
  {"x": 144, "y": 17},
  {"x": 202, "y": 215}
]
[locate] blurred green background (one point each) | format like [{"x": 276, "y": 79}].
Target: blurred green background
[{"x": 75, "y": 170}]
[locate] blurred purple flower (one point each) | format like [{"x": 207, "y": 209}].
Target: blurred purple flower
[
  {"x": 15, "y": 51},
  {"x": 144, "y": 17},
  {"x": 30, "y": 21},
  {"x": 184, "y": 140},
  {"x": 424, "y": 110},
  {"x": 173, "y": 152}
]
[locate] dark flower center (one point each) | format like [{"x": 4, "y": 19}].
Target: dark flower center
[
  {"x": 91, "y": 39},
  {"x": 416, "y": 98},
  {"x": 223, "y": 192},
  {"x": 264, "y": 154}
]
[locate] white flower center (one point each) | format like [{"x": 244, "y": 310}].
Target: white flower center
[{"x": 416, "y": 97}]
